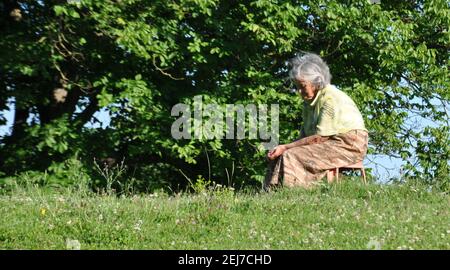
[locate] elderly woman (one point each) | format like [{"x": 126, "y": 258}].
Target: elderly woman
[{"x": 333, "y": 133}]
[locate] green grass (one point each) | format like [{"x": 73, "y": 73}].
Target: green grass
[{"x": 345, "y": 216}]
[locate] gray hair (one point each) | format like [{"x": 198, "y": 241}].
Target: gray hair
[{"x": 310, "y": 67}]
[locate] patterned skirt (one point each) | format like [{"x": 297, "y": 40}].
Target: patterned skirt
[{"x": 306, "y": 165}]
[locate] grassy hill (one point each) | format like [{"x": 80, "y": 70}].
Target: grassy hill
[{"x": 345, "y": 216}]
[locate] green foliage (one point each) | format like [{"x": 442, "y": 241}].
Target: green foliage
[
  {"x": 54, "y": 137},
  {"x": 138, "y": 58},
  {"x": 69, "y": 173}
]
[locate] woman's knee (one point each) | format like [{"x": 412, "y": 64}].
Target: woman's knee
[
  {"x": 291, "y": 152},
  {"x": 288, "y": 152}
]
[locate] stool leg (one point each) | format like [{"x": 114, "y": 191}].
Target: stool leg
[
  {"x": 330, "y": 176},
  {"x": 337, "y": 175},
  {"x": 363, "y": 172}
]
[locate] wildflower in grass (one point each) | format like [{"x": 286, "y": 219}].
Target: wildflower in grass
[
  {"x": 137, "y": 226},
  {"x": 73, "y": 244},
  {"x": 43, "y": 211},
  {"x": 374, "y": 245}
]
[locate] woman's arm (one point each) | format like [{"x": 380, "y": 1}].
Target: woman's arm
[
  {"x": 279, "y": 150},
  {"x": 306, "y": 141}
]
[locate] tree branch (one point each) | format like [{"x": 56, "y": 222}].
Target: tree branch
[{"x": 88, "y": 112}]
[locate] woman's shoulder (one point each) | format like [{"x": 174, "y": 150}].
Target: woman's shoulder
[
  {"x": 332, "y": 92},
  {"x": 329, "y": 93}
]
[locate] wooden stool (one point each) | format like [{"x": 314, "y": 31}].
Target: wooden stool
[{"x": 335, "y": 172}]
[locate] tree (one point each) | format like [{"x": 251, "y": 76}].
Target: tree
[{"x": 61, "y": 61}]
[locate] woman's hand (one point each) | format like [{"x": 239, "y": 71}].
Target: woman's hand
[{"x": 276, "y": 152}]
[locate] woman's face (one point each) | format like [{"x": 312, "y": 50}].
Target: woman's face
[{"x": 306, "y": 89}]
